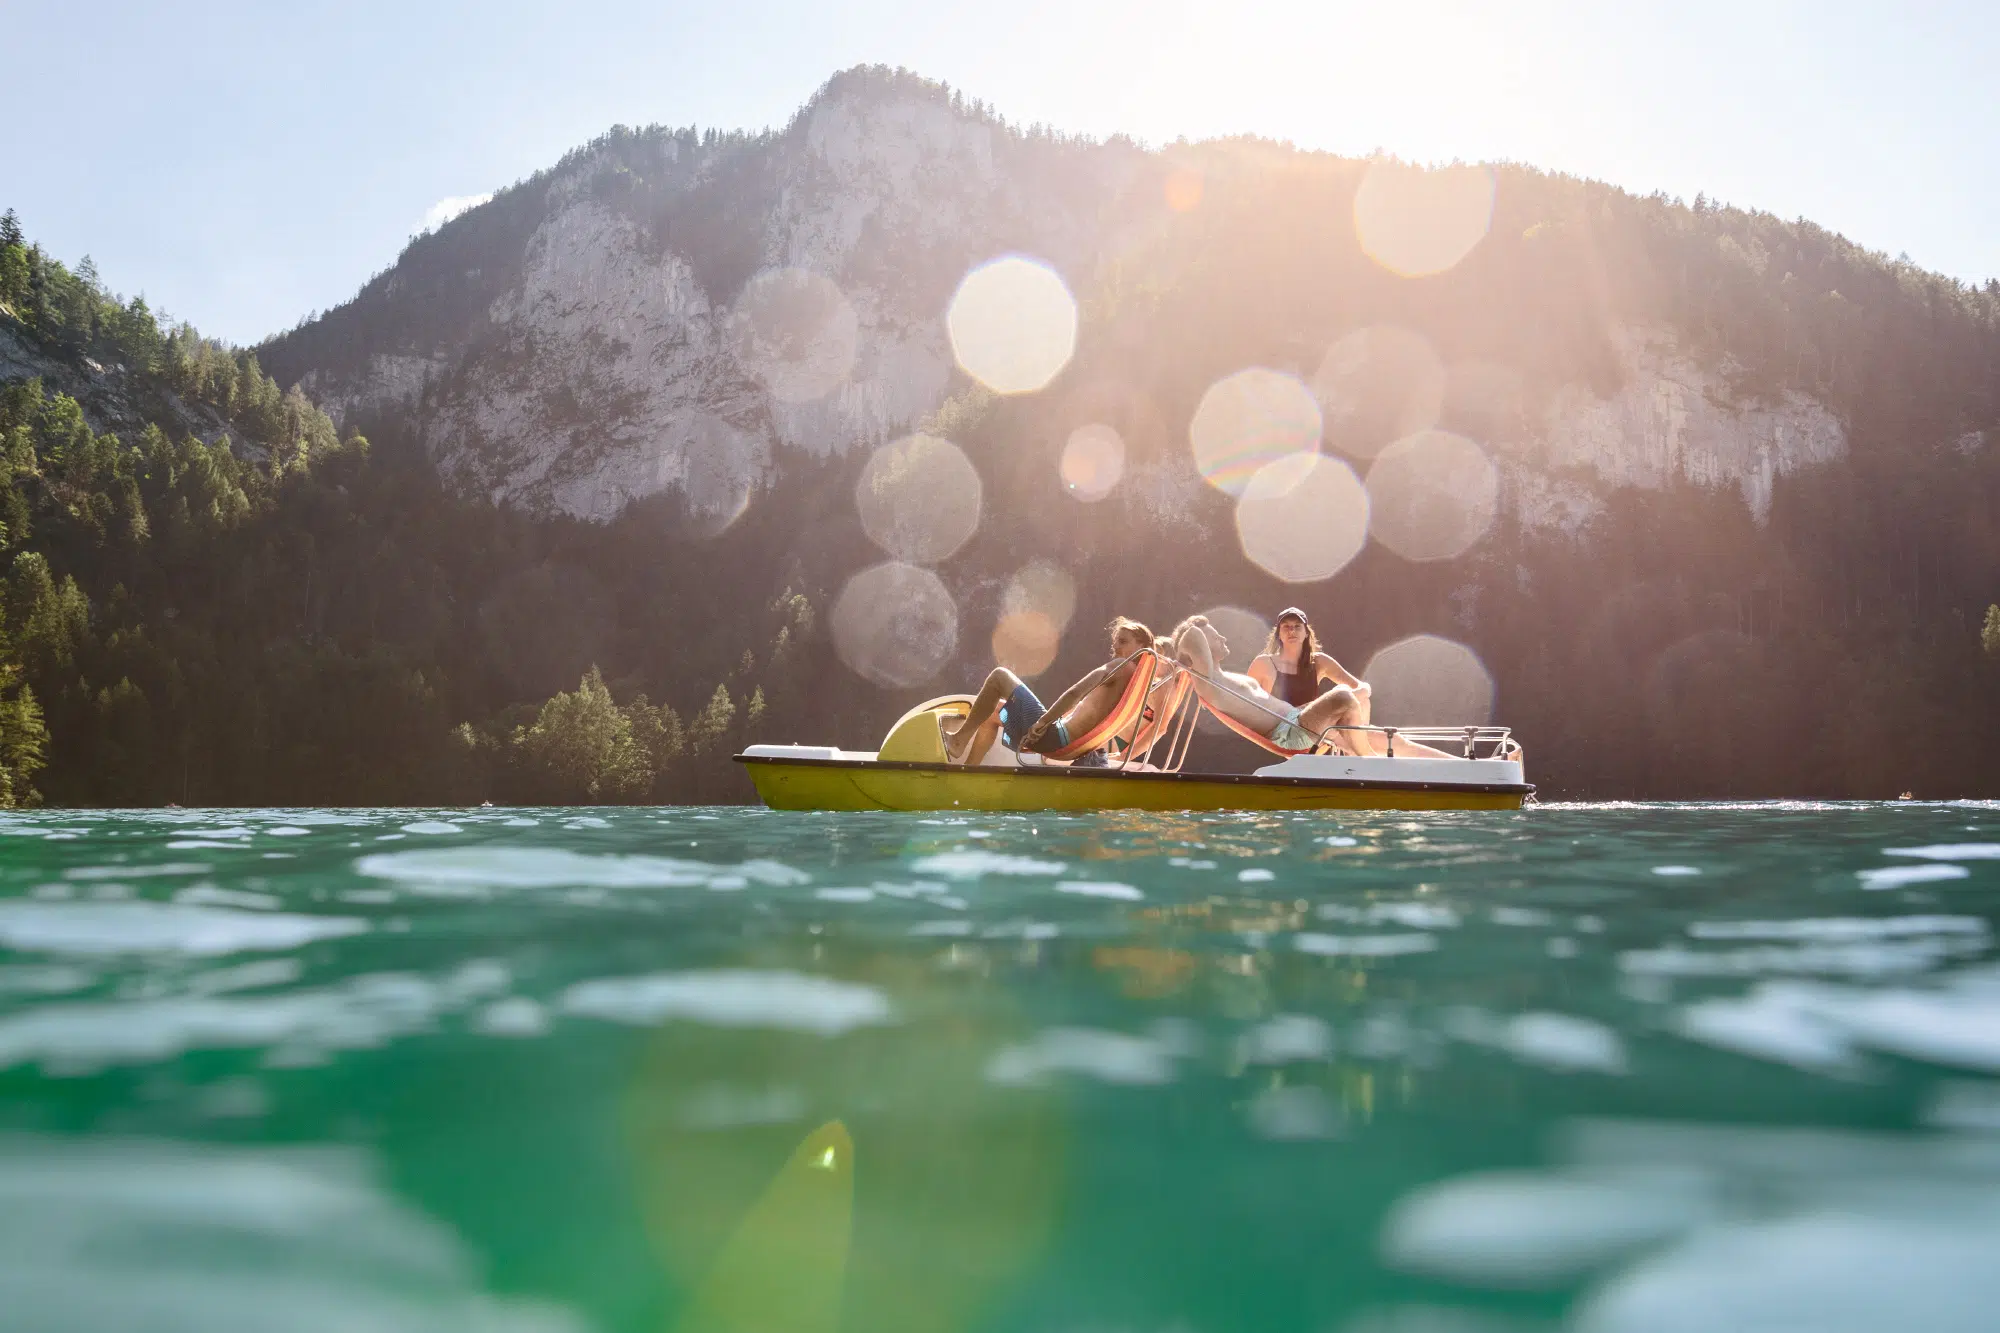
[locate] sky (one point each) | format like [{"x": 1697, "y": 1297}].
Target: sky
[{"x": 244, "y": 164}]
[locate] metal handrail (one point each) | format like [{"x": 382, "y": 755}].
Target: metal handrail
[{"x": 1500, "y": 738}]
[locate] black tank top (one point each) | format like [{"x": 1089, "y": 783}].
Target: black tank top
[{"x": 1297, "y": 688}]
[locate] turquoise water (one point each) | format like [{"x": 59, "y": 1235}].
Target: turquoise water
[{"x": 1605, "y": 1067}]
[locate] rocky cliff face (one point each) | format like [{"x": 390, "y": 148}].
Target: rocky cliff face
[{"x": 637, "y": 329}]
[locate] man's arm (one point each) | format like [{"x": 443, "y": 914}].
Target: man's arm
[{"x": 1067, "y": 700}]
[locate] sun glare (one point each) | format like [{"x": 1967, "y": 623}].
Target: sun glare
[
  {"x": 1012, "y": 324},
  {"x": 1248, "y": 420},
  {"x": 1093, "y": 459},
  {"x": 919, "y": 498},
  {"x": 895, "y": 624},
  {"x": 1425, "y": 680},
  {"x": 1417, "y": 221},
  {"x": 1025, "y": 642},
  {"x": 1183, "y": 189},
  {"x": 1432, "y": 495},
  {"x": 1376, "y": 385},
  {"x": 1303, "y": 517},
  {"x": 1046, "y": 589}
]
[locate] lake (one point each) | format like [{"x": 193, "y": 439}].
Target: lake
[{"x": 1628, "y": 1067}]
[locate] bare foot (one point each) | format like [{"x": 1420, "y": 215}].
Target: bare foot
[{"x": 954, "y": 729}]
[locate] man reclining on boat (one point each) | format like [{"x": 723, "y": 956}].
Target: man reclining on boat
[
  {"x": 1200, "y": 645},
  {"x": 1008, "y": 710}
]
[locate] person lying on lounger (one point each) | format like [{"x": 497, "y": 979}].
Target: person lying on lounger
[
  {"x": 1200, "y": 646},
  {"x": 1007, "y": 710}
]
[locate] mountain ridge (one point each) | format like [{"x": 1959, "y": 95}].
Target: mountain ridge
[{"x": 1716, "y": 488}]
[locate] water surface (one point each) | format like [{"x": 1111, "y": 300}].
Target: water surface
[{"x": 1606, "y": 1068}]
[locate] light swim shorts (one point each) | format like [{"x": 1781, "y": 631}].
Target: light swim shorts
[{"x": 1289, "y": 735}]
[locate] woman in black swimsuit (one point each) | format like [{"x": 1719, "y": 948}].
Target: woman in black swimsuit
[{"x": 1293, "y": 666}]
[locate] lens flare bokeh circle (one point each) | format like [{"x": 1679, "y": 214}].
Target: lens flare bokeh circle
[
  {"x": 1303, "y": 517},
  {"x": 919, "y": 498},
  {"x": 1376, "y": 385},
  {"x": 1045, "y": 588},
  {"x": 1183, "y": 189},
  {"x": 1093, "y": 459},
  {"x": 1248, "y": 420},
  {"x": 795, "y": 332},
  {"x": 1025, "y": 642},
  {"x": 1432, "y": 495},
  {"x": 721, "y": 467},
  {"x": 895, "y": 624},
  {"x": 1416, "y": 221},
  {"x": 1012, "y": 324},
  {"x": 1426, "y": 680}
]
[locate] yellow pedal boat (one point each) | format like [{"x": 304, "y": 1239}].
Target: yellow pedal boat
[{"x": 1148, "y": 734}]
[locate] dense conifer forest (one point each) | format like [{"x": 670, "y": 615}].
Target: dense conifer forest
[
  {"x": 224, "y": 600},
  {"x": 279, "y": 615}
]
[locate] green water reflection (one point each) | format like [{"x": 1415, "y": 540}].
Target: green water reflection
[{"x": 731, "y": 1070}]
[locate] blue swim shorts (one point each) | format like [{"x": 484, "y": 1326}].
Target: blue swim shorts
[{"x": 1020, "y": 713}]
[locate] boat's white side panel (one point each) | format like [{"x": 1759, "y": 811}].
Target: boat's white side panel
[
  {"x": 1399, "y": 769},
  {"x": 807, "y": 752}
]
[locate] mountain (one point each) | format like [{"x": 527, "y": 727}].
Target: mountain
[
  {"x": 1698, "y": 499},
  {"x": 568, "y": 346}
]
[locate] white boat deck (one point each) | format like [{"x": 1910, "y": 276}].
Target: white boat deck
[{"x": 1324, "y": 767}]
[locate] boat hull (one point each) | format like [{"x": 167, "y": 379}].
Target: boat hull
[{"x": 842, "y": 784}]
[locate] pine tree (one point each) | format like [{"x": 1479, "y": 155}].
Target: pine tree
[
  {"x": 581, "y": 749},
  {"x": 10, "y": 229},
  {"x": 24, "y": 740},
  {"x": 14, "y": 275},
  {"x": 710, "y": 727}
]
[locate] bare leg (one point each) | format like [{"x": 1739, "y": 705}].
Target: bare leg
[
  {"x": 982, "y": 741},
  {"x": 1345, "y": 707},
  {"x": 962, "y": 734},
  {"x": 1338, "y": 707}
]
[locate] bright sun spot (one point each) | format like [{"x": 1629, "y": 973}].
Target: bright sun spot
[
  {"x": 1093, "y": 459},
  {"x": 1303, "y": 517},
  {"x": 1415, "y": 221},
  {"x": 1012, "y": 324},
  {"x": 1247, "y": 420}
]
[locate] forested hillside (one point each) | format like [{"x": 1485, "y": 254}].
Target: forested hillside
[
  {"x": 282, "y": 615},
  {"x": 1744, "y": 544}
]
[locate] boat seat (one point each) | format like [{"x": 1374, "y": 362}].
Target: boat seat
[
  {"x": 1324, "y": 745},
  {"x": 1123, "y": 717}
]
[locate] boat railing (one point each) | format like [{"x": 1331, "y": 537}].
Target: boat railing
[
  {"x": 1177, "y": 728},
  {"x": 1473, "y": 742}
]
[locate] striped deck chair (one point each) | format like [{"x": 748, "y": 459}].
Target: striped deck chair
[
  {"x": 1325, "y": 745},
  {"x": 1157, "y": 722},
  {"x": 1124, "y": 718}
]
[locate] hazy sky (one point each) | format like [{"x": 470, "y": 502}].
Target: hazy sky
[{"x": 242, "y": 164}]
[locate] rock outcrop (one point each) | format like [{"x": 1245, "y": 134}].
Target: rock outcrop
[{"x": 593, "y": 335}]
